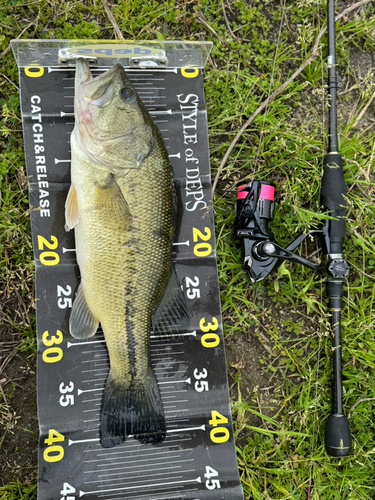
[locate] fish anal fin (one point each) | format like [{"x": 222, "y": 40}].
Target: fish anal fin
[
  {"x": 172, "y": 315},
  {"x": 135, "y": 410},
  {"x": 71, "y": 209},
  {"x": 82, "y": 323},
  {"x": 109, "y": 197}
]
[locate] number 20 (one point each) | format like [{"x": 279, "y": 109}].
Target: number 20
[
  {"x": 48, "y": 258},
  {"x": 202, "y": 249}
]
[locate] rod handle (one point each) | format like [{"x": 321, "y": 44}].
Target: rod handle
[
  {"x": 332, "y": 197},
  {"x": 338, "y": 439}
]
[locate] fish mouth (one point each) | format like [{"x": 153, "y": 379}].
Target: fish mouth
[
  {"x": 83, "y": 72},
  {"x": 117, "y": 68},
  {"x": 89, "y": 88},
  {"x": 95, "y": 88}
]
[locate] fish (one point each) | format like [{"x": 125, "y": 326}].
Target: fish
[{"x": 122, "y": 207}]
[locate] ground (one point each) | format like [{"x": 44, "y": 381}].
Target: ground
[
  {"x": 18, "y": 410},
  {"x": 277, "y": 332}
]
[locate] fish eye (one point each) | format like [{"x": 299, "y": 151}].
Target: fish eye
[{"x": 126, "y": 94}]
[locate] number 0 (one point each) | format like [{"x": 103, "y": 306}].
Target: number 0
[
  {"x": 189, "y": 72},
  {"x": 210, "y": 340},
  {"x": 52, "y": 355},
  {"x": 219, "y": 435},
  {"x": 202, "y": 249},
  {"x": 48, "y": 453},
  {"x": 34, "y": 71},
  {"x": 49, "y": 258}
]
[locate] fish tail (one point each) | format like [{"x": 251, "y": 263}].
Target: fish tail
[{"x": 135, "y": 410}]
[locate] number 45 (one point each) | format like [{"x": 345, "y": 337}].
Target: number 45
[
  {"x": 211, "y": 484},
  {"x": 67, "y": 490}
]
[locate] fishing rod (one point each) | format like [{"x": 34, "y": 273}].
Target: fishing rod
[
  {"x": 254, "y": 213},
  {"x": 338, "y": 439}
]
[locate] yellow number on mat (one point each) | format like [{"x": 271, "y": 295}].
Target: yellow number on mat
[
  {"x": 56, "y": 452},
  {"x": 48, "y": 258}
]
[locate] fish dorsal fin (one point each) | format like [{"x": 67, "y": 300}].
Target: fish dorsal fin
[
  {"x": 82, "y": 323},
  {"x": 172, "y": 315},
  {"x": 71, "y": 209},
  {"x": 109, "y": 198}
]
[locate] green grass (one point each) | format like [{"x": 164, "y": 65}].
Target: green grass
[
  {"x": 283, "y": 457},
  {"x": 18, "y": 491}
]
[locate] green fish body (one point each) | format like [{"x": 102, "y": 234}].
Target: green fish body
[{"x": 121, "y": 206}]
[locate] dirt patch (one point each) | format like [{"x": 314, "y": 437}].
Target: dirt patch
[
  {"x": 243, "y": 352},
  {"x": 18, "y": 412},
  {"x": 248, "y": 381}
]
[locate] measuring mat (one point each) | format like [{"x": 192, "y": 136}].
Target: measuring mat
[{"x": 197, "y": 460}]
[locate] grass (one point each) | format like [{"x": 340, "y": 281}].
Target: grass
[
  {"x": 17, "y": 491},
  {"x": 280, "y": 431}
]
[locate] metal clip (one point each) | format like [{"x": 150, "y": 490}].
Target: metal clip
[
  {"x": 67, "y": 60},
  {"x": 155, "y": 61}
]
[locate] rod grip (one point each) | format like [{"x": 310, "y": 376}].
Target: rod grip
[
  {"x": 332, "y": 197},
  {"x": 338, "y": 440}
]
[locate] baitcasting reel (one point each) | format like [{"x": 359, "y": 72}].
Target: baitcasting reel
[{"x": 254, "y": 213}]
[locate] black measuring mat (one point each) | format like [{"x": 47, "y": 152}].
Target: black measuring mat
[{"x": 197, "y": 459}]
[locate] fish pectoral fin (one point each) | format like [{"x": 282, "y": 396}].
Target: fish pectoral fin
[
  {"x": 82, "y": 323},
  {"x": 109, "y": 197},
  {"x": 172, "y": 315},
  {"x": 71, "y": 209},
  {"x": 135, "y": 410}
]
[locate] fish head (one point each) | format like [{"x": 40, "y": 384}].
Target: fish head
[{"x": 114, "y": 127}]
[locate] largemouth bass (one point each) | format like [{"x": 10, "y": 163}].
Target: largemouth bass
[{"x": 121, "y": 206}]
